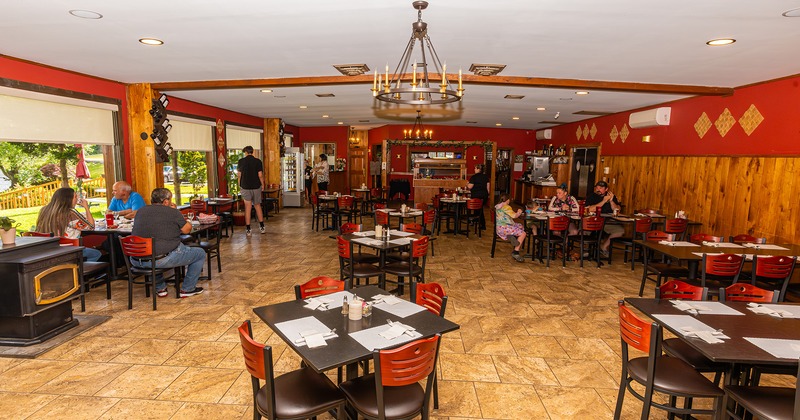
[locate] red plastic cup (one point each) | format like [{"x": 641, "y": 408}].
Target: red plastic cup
[
  {"x": 109, "y": 219},
  {"x": 581, "y": 210},
  {"x": 598, "y": 210}
]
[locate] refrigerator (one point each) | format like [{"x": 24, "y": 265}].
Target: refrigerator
[
  {"x": 292, "y": 177},
  {"x": 540, "y": 167}
]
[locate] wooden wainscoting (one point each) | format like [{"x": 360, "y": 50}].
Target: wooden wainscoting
[{"x": 759, "y": 196}]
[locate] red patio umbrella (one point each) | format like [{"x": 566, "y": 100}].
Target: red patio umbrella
[{"x": 81, "y": 171}]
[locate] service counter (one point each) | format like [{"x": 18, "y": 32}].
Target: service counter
[
  {"x": 426, "y": 189},
  {"x": 525, "y": 190}
]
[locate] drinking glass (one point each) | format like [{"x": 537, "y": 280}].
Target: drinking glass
[{"x": 190, "y": 216}]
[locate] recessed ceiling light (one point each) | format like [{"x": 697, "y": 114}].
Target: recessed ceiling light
[
  {"x": 280, "y": 96},
  {"x": 472, "y": 122},
  {"x": 151, "y": 41},
  {"x": 340, "y": 122},
  {"x": 498, "y": 124},
  {"x": 325, "y": 95},
  {"x": 720, "y": 42},
  {"x": 564, "y": 99},
  {"x": 266, "y": 90},
  {"x": 514, "y": 96},
  {"x": 326, "y": 116},
  {"x": 792, "y": 13},
  {"x": 514, "y": 118},
  {"x": 85, "y": 14},
  {"x": 363, "y": 121},
  {"x": 541, "y": 108},
  {"x": 581, "y": 92},
  {"x": 303, "y": 106}
]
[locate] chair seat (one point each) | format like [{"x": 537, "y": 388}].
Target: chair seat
[
  {"x": 765, "y": 402},
  {"x": 363, "y": 258},
  {"x": 668, "y": 270},
  {"x": 674, "y": 376},
  {"x": 676, "y": 347},
  {"x": 319, "y": 394},
  {"x": 398, "y": 256},
  {"x": 364, "y": 270},
  {"x": 147, "y": 271},
  {"x": 92, "y": 268},
  {"x": 208, "y": 245},
  {"x": 400, "y": 401},
  {"x": 401, "y": 269}
]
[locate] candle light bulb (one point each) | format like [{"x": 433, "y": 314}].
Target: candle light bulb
[
  {"x": 459, "y": 78},
  {"x": 375, "y": 81}
]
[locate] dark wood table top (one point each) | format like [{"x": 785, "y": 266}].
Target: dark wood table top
[
  {"x": 344, "y": 350},
  {"x": 384, "y": 246},
  {"x": 736, "y": 349},
  {"x": 687, "y": 253}
]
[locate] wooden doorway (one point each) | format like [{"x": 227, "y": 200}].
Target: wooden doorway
[{"x": 358, "y": 158}]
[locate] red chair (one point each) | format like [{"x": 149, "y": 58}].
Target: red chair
[
  {"x": 421, "y": 206},
  {"x": 381, "y": 218},
  {"x": 699, "y": 238},
  {"x": 473, "y": 215},
  {"x": 347, "y": 208},
  {"x": 318, "y": 286},
  {"x": 431, "y": 296},
  {"x": 676, "y": 227},
  {"x": 199, "y": 206},
  {"x": 676, "y": 289},
  {"x": 640, "y": 229},
  {"x": 663, "y": 270},
  {"x": 429, "y": 224},
  {"x": 358, "y": 256},
  {"x": 747, "y": 239},
  {"x": 767, "y": 402},
  {"x": 442, "y": 214},
  {"x": 393, "y": 390},
  {"x": 348, "y": 228},
  {"x": 776, "y": 271},
  {"x": 142, "y": 249},
  {"x": 37, "y": 234},
  {"x": 351, "y": 268},
  {"x": 555, "y": 237},
  {"x": 590, "y": 236},
  {"x": 298, "y": 394},
  {"x": 745, "y": 292},
  {"x": 720, "y": 268},
  {"x": 91, "y": 272},
  {"x": 412, "y": 269},
  {"x": 659, "y": 373},
  {"x": 414, "y": 228}
]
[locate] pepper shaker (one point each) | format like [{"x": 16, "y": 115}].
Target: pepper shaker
[{"x": 344, "y": 305}]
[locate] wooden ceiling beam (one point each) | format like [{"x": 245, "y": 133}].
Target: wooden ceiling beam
[{"x": 515, "y": 81}]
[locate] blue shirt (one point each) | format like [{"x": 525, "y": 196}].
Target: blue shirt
[{"x": 135, "y": 202}]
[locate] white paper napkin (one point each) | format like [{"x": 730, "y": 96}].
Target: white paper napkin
[
  {"x": 314, "y": 338},
  {"x": 396, "y": 330},
  {"x": 693, "y": 308},
  {"x": 670, "y": 243},
  {"x": 711, "y": 337},
  {"x": 387, "y": 299},
  {"x": 761, "y": 309},
  {"x": 714, "y": 244},
  {"x": 318, "y": 303},
  {"x": 362, "y": 234}
]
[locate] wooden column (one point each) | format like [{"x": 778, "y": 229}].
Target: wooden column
[
  {"x": 142, "y": 154},
  {"x": 272, "y": 153}
]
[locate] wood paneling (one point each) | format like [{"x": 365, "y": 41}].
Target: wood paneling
[
  {"x": 142, "y": 152},
  {"x": 729, "y": 195}
]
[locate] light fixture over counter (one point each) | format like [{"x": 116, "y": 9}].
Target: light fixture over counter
[
  {"x": 419, "y": 91},
  {"x": 418, "y": 131}
]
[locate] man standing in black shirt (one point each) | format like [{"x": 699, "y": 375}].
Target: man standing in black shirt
[
  {"x": 250, "y": 172},
  {"x": 479, "y": 188},
  {"x": 602, "y": 197}
]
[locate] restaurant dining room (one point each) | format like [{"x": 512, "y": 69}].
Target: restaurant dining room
[{"x": 587, "y": 211}]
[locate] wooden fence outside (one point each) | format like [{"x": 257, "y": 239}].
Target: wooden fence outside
[{"x": 39, "y": 195}]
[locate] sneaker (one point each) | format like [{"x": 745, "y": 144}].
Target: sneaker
[
  {"x": 604, "y": 253},
  {"x": 263, "y": 230},
  {"x": 162, "y": 293},
  {"x": 196, "y": 291},
  {"x": 248, "y": 233},
  {"x": 517, "y": 257}
]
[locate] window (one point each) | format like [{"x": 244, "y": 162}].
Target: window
[{"x": 190, "y": 173}]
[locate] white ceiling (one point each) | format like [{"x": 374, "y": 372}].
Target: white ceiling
[{"x": 619, "y": 40}]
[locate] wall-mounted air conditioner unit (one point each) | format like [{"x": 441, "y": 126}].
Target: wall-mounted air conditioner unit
[
  {"x": 544, "y": 134},
  {"x": 650, "y": 118}
]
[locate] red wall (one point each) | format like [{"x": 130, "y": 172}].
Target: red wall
[{"x": 777, "y": 101}]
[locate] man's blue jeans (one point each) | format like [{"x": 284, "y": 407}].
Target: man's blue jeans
[{"x": 181, "y": 256}]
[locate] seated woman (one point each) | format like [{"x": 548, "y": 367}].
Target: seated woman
[
  {"x": 60, "y": 218},
  {"x": 507, "y": 229},
  {"x": 563, "y": 202}
]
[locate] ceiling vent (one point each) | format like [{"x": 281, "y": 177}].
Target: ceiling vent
[
  {"x": 598, "y": 113},
  {"x": 486, "y": 69},
  {"x": 514, "y": 96},
  {"x": 325, "y": 95},
  {"x": 351, "y": 69}
]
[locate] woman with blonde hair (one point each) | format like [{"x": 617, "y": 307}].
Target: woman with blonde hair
[{"x": 60, "y": 218}]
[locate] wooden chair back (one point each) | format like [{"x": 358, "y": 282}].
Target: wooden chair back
[
  {"x": 593, "y": 223},
  {"x": 746, "y": 292},
  {"x": 699, "y": 238},
  {"x": 136, "y": 246},
  {"x": 349, "y": 227},
  {"x": 676, "y": 289},
  {"x": 199, "y": 206},
  {"x": 634, "y": 331},
  {"x": 429, "y": 217},
  {"x": 558, "y": 223},
  {"x": 381, "y": 218},
  {"x": 317, "y": 286},
  {"x": 407, "y": 364},
  {"x": 415, "y": 228},
  {"x": 643, "y": 225},
  {"x": 345, "y": 201},
  {"x": 746, "y": 239},
  {"x": 258, "y": 361},
  {"x": 724, "y": 265},
  {"x": 376, "y": 193},
  {"x": 431, "y": 296},
  {"x": 657, "y": 235},
  {"x": 419, "y": 247},
  {"x": 380, "y": 206},
  {"x": 675, "y": 226},
  {"x": 344, "y": 247},
  {"x": 474, "y": 204},
  {"x": 774, "y": 267}
]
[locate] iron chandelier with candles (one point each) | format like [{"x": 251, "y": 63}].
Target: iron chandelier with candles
[
  {"x": 419, "y": 91},
  {"x": 418, "y": 131}
]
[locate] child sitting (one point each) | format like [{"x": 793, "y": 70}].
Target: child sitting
[{"x": 507, "y": 229}]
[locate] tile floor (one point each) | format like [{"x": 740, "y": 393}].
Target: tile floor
[{"x": 534, "y": 343}]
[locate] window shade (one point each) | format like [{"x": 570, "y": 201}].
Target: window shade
[
  {"x": 239, "y": 137},
  {"x": 43, "y": 121},
  {"x": 187, "y": 135}
]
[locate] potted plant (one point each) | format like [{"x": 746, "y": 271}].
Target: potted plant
[{"x": 8, "y": 229}]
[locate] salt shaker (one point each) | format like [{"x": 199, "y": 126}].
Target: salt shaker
[{"x": 344, "y": 305}]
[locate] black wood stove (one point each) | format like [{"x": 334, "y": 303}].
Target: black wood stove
[{"x": 38, "y": 279}]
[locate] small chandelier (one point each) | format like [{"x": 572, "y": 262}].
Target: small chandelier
[
  {"x": 420, "y": 91},
  {"x": 418, "y": 131}
]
